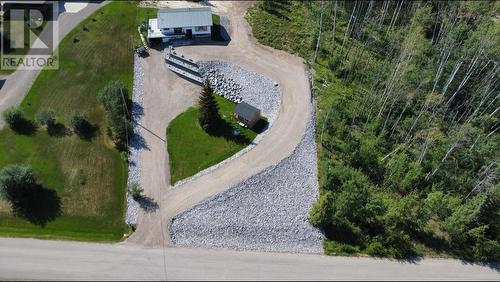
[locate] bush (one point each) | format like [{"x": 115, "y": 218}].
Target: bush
[
  {"x": 46, "y": 117},
  {"x": 80, "y": 124},
  {"x": 376, "y": 249},
  {"x": 14, "y": 178},
  {"x": 113, "y": 97},
  {"x": 320, "y": 213},
  {"x": 135, "y": 190},
  {"x": 14, "y": 117},
  {"x": 339, "y": 249},
  {"x": 16, "y": 120},
  {"x": 121, "y": 131},
  {"x": 28, "y": 199},
  {"x": 334, "y": 61}
]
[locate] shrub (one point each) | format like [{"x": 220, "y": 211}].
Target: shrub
[
  {"x": 14, "y": 117},
  {"x": 15, "y": 178},
  {"x": 16, "y": 120},
  {"x": 28, "y": 199},
  {"x": 376, "y": 249},
  {"x": 113, "y": 97},
  {"x": 339, "y": 249},
  {"x": 80, "y": 124},
  {"x": 320, "y": 213},
  {"x": 135, "y": 190},
  {"x": 46, "y": 117}
]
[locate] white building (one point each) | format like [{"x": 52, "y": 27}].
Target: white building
[{"x": 181, "y": 23}]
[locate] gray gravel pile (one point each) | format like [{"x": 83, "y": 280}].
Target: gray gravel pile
[
  {"x": 227, "y": 88},
  {"x": 253, "y": 88},
  {"x": 266, "y": 212},
  {"x": 136, "y": 142}
]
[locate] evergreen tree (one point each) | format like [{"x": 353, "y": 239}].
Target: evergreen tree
[{"x": 209, "y": 117}]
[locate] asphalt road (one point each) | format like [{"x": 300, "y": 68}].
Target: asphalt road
[{"x": 39, "y": 259}]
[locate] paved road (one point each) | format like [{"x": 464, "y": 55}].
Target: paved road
[
  {"x": 38, "y": 259},
  {"x": 18, "y": 83},
  {"x": 281, "y": 139}
]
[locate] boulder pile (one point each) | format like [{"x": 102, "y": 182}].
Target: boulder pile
[{"x": 226, "y": 87}]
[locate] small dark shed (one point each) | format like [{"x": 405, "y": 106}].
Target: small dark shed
[{"x": 246, "y": 114}]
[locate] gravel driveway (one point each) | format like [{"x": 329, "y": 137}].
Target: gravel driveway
[{"x": 163, "y": 100}]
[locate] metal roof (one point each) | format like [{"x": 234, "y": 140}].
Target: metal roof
[
  {"x": 246, "y": 111},
  {"x": 184, "y": 17}
]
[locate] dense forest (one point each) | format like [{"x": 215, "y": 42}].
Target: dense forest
[{"x": 408, "y": 121}]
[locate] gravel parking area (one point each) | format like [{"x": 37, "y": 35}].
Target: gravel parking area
[
  {"x": 266, "y": 212},
  {"x": 136, "y": 142}
]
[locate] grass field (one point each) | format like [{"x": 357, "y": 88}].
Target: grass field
[
  {"x": 287, "y": 28},
  {"x": 89, "y": 176},
  {"x": 191, "y": 149}
]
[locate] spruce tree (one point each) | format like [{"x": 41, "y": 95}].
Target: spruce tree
[{"x": 209, "y": 117}]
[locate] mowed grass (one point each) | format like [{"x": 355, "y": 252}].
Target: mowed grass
[
  {"x": 89, "y": 176},
  {"x": 191, "y": 149}
]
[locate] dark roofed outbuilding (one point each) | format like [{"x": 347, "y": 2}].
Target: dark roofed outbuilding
[{"x": 247, "y": 114}]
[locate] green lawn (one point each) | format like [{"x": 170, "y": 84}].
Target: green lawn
[
  {"x": 191, "y": 149},
  {"x": 89, "y": 176}
]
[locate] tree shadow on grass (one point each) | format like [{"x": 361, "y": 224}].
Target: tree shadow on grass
[
  {"x": 58, "y": 130},
  {"x": 37, "y": 204},
  {"x": 261, "y": 126},
  {"x": 227, "y": 130},
  {"x": 88, "y": 131},
  {"x": 25, "y": 127}
]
